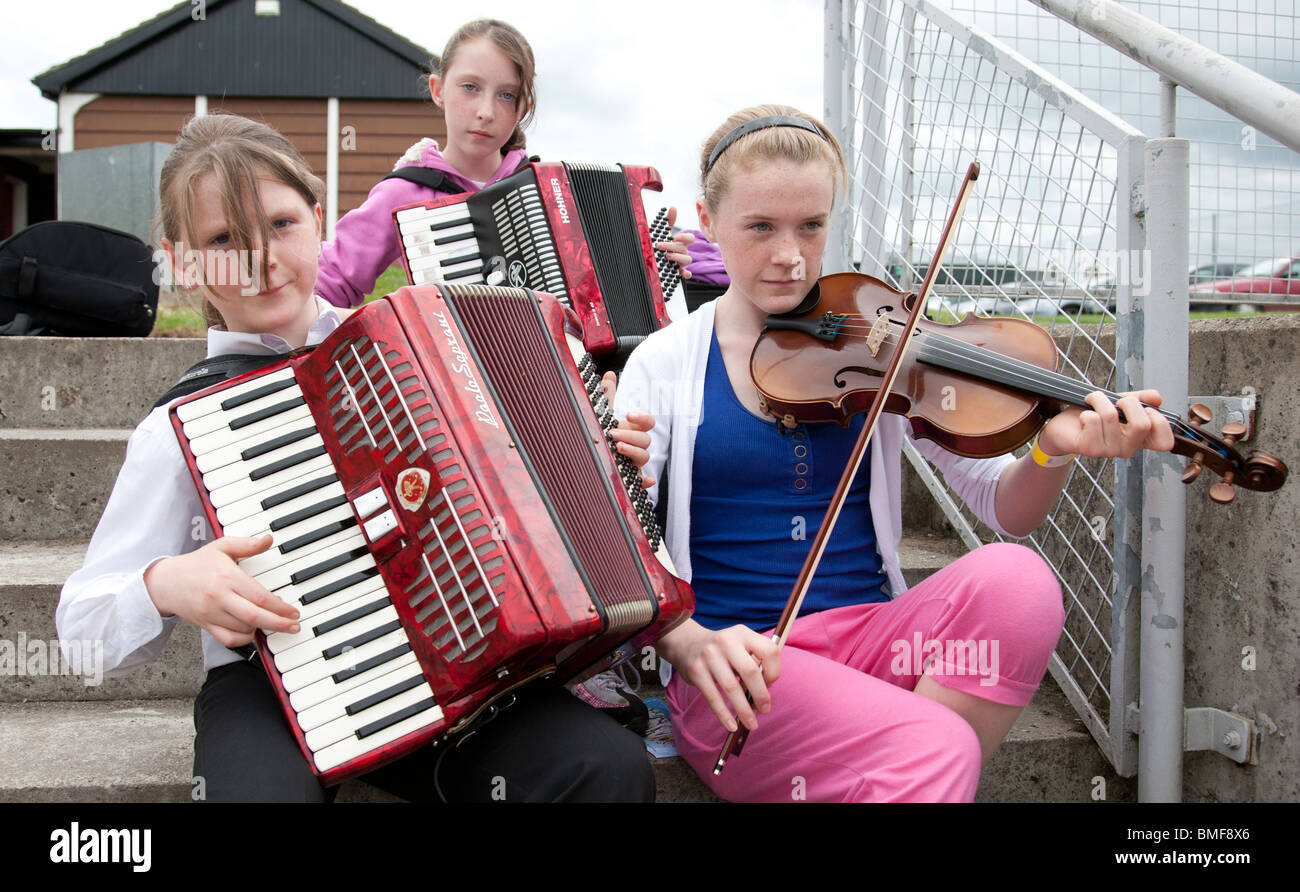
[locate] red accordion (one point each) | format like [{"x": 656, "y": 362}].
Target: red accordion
[
  {"x": 447, "y": 516},
  {"x": 577, "y": 231}
]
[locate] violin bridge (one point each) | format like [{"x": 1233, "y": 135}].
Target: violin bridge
[{"x": 876, "y": 337}]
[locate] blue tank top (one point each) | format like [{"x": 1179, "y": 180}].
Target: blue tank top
[{"x": 758, "y": 497}]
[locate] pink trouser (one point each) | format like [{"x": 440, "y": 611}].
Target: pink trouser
[{"x": 845, "y": 725}]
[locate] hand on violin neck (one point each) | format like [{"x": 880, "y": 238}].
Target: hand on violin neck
[{"x": 1099, "y": 431}]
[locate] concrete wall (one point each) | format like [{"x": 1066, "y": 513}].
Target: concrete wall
[{"x": 1242, "y": 572}]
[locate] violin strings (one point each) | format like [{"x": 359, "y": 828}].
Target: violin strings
[{"x": 960, "y": 356}]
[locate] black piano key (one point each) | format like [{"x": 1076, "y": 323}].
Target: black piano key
[
  {"x": 448, "y": 224},
  {"x": 271, "y": 445},
  {"x": 464, "y": 258},
  {"x": 268, "y": 412},
  {"x": 338, "y": 585},
  {"x": 351, "y": 616},
  {"x": 472, "y": 271},
  {"x": 310, "y": 511},
  {"x": 451, "y": 239},
  {"x": 330, "y": 653},
  {"x": 277, "y": 466},
  {"x": 300, "y": 490},
  {"x": 266, "y": 390},
  {"x": 328, "y": 529},
  {"x": 379, "y": 725},
  {"x": 331, "y": 563},
  {"x": 380, "y": 696},
  {"x": 376, "y": 660}
]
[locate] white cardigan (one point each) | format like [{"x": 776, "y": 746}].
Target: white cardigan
[{"x": 665, "y": 377}]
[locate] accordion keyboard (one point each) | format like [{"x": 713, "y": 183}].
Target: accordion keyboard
[{"x": 350, "y": 673}]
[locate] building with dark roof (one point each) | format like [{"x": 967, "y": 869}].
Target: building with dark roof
[{"x": 350, "y": 93}]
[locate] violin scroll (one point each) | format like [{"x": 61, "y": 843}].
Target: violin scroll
[{"x": 1259, "y": 471}]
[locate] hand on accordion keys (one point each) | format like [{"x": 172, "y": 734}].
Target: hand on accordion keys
[
  {"x": 675, "y": 249},
  {"x": 632, "y": 436}
]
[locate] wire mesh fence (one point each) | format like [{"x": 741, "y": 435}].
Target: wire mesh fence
[
  {"x": 1050, "y": 235},
  {"x": 1245, "y": 186}
]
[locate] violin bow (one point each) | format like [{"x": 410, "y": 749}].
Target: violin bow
[{"x": 736, "y": 739}]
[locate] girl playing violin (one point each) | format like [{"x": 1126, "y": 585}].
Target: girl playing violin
[{"x": 852, "y": 718}]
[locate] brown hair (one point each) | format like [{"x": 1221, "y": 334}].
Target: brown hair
[
  {"x": 515, "y": 48},
  {"x": 238, "y": 152},
  {"x": 791, "y": 143}
]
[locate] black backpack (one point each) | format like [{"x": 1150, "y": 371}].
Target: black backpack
[{"x": 76, "y": 279}]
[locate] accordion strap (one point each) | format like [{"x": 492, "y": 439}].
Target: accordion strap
[{"x": 214, "y": 370}]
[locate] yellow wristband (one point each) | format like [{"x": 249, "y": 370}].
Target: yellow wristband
[{"x": 1043, "y": 460}]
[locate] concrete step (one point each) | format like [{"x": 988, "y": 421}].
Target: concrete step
[
  {"x": 142, "y": 751},
  {"x": 57, "y": 480},
  {"x": 32, "y": 575},
  {"x": 88, "y": 382}
]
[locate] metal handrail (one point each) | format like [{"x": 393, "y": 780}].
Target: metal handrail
[{"x": 1245, "y": 94}]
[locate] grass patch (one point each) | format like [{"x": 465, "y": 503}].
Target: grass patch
[
  {"x": 393, "y": 278},
  {"x": 178, "y": 322}
]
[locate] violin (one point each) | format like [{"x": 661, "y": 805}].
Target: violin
[{"x": 980, "y": 387}]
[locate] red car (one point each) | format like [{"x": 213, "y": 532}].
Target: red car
[{"x": 1281, "y": 275}]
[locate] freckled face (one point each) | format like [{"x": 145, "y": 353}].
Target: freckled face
[
  {"x": 771, "y": 228},
  {"x": 284, "y": 304}
]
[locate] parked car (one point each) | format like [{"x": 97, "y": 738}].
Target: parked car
[
  {"x": 1212, "y": 272},
  {"x": 1279, "y": 275},
  {"x": 1069, "y": 306}
]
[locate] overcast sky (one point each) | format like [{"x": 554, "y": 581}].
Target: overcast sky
[{"x": 617, "y": 82}]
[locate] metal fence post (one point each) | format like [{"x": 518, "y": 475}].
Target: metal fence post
[
  {"x": 834, "y": 75},
  {"x": 1164, "y": 514}
]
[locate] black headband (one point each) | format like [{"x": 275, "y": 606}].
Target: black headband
[{"x": 759, "y": 124}]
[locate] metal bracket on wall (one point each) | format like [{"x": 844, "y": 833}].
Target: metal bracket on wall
[
  {"x": 1225, "y": 733},
  {"x": 1230, "y": 408},
  {"x": 1207, "y": 728}
]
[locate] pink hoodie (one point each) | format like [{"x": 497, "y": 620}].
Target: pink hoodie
[{"x": 365, "y": 240}]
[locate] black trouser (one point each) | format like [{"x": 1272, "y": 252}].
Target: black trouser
[{"x": 547, "y": 747}]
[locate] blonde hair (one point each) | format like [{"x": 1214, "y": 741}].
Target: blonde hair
[
  {"x": 769, "y": 144},
  {"x": 514, "y": 47},
  {"x": 238, "y": 152}
]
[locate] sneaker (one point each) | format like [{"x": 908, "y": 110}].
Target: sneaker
[{"x": 609, "y": 693}]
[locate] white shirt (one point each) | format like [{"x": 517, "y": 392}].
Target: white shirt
[
  {"x": 153, "y": 513},
  {"x": 665, "y": 377}
]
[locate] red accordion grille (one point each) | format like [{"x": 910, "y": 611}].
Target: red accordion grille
[{"x": 377, "y": 402}]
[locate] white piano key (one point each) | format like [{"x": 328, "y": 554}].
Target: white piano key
[
  {"x": 260, "y": 521},
  {"x": 336, "y": 707},
  {"x": 232, "y": 453},
  {"x": 317, "y": 670},
  {"x": 351, "y": 748},
  {"x": 339, "y": 604},
  {"x": 321, "y": 691},
  {"x": 213, "y": 403},
  {"x": 310, "y": 613},
  {"x": 313, "y": 649},
  {"x": 223, "y": 476},
  {"x": 245, "y": 489},
  {"x": 279, "y": 577},
  {"x": 206, "y": 424},
  {"x": 347, "y": 726},
  {"x": 255, "y": 432},
  {"x": 268, "y": 560}
]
